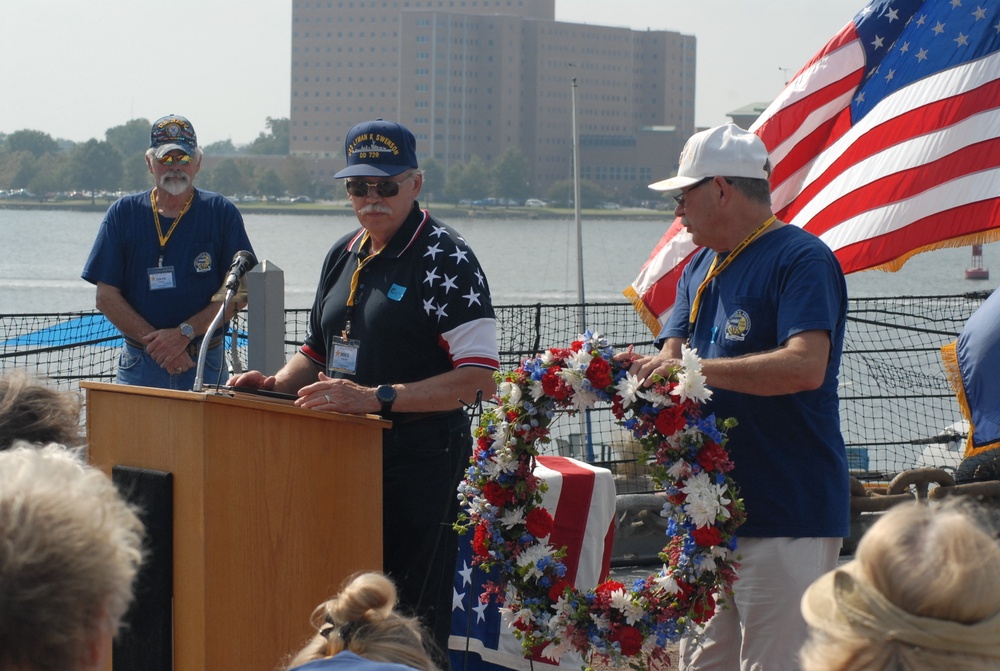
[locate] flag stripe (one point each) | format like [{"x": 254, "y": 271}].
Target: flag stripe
[
  {"x": 909, "y": 183},
  {"x": 866, "y": 139}
]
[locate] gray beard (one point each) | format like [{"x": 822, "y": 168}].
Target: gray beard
[{"x": 175, "y": 184}]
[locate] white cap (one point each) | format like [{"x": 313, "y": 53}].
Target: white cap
[{"x": 724, "y": 151}]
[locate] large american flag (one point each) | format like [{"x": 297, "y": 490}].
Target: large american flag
[{"x": 885, "y": 144}]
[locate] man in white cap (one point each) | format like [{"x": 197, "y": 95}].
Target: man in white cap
[
  {"x": 159, "y": 258},
  {"x": 765, "y": 306}
]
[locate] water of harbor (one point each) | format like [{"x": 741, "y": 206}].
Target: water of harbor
[{"x": 526, "y": 261}]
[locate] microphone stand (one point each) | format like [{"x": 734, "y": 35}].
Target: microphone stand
[{"x": 203, "y": 350}]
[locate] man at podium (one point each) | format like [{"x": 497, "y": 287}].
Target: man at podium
[{"x": 402, "y": 325}]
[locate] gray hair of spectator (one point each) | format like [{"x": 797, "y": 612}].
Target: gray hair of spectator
[
  {"x": 70, "y": 549},
  {"x": 757, "y": 190},
  {"x": 921, "y": 594},
  {"x": 34, "y": 412}
]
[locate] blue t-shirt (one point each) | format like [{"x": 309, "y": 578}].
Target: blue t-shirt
[
  {"x": 789, "y": 455},
  {"x": 200, "y": 251}
]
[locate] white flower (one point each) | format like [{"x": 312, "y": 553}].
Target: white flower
[
  {"x": 511, "y": 392},
  {"x": 656, "y": 398},
  {"x": 535, "y": 389},
  {"x": 705, "y": 500},
  {"x": 628, "y": 389},
  {"x": 666, "y": 581},
  {"x": 705, "y": 563},
  {"x": 690, "y": 381},
  {"x": 622, "y": 601},
  {"x": 529, "y": 558},
  {"x": 585, "y": 399},
  {"x": 679, "y": 470},
  {"x": 512, "y": 517}
]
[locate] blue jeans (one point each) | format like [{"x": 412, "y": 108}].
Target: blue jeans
[{"x": 136, "y": 367}]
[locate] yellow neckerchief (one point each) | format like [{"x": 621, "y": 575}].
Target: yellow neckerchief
[
  {"x": 714, "y": 271},
  {"x": 156, "y": 218}
]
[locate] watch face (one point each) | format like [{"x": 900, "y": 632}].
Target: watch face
[
  {"x": 187, "y": 330},
  {"x": 385, "y": 394}
]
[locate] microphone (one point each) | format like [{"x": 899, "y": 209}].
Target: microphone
[{"x": 243, "y": 262}]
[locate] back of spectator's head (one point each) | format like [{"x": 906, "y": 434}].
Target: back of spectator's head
[
  {"x": 923, "y": 592},
  {"x": 70, "y": 548},
  {"x": 34, "y": 412},
  {"x": 363, "y": 619}
]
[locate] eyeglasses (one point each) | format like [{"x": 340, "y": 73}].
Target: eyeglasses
[
  {"x": 681, "y": 197},
  {"x": 386, "y": 188},
  {"x": 183, "y": 159}
]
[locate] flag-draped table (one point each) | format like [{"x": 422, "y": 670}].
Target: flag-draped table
[{"x": 581, "y": 499}]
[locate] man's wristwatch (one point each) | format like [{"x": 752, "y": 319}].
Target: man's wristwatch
[
  {"x": 187, "y": 331},
  {"x": 386, "y": 395}
]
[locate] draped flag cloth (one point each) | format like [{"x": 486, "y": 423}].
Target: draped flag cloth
[
  {"x": 886, "y": 144},
  {"x": 581, "y": 499},
  {"x": 972, "y": 364}
]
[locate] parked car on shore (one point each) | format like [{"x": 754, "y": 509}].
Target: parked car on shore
[{"x": 534, "y": 202}]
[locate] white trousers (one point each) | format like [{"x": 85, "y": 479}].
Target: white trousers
[{"x": 761, "y": 627}]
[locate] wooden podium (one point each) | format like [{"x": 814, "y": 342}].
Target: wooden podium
[{"x": 273, "y": 507}]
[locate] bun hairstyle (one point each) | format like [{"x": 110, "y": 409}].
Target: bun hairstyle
[{"x": 363, "y": 619}]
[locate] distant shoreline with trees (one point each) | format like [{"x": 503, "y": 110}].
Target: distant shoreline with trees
[{"x": 64, "y": 174}]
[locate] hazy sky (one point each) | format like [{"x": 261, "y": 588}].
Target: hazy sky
[{"x": 74, "y": 69}]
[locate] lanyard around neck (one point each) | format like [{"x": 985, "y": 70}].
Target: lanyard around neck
[
  {"x": 355, "y": 282},
  {"x": 156, "y": 218},
  {"x": 714, "y": 271}
]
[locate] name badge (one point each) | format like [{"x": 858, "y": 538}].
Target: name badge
[
  {"x": 161, "y": 278},
  {"x": 342, "y": 356}
]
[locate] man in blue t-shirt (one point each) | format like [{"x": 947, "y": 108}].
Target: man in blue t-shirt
[
  {"x": 159, "y": 258},
  {"x": 765, "y": 306}
]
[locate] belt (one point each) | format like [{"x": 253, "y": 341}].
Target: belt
[{"x": 192, "y": 349}]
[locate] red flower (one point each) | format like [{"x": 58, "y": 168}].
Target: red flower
[
  {"x": 630, "y": 639},
  {"x": 704, "y": 609},
  {"x": 707, "y": 536},
  {"x": 480, "y": 542},
  {"x": 670, "y": 420},
  {"x": 539, "y": 523},
  {"x": 599, "y": 373},
  {"x": 496, "y": 494},
  {"x": 604, "y": 590},
  {"x": 555, "y": 386},
  {"x": 712, "y": 457},
  {"x": 557, "y": 589}
]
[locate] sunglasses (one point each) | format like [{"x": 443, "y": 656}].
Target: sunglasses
[
  {"x": 679, "y": 198},
  {"x": 385, "y": 189},
  {"x": 183, "y": 159}
]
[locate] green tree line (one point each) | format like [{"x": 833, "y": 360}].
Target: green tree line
[{"x": 34, "y": 162}]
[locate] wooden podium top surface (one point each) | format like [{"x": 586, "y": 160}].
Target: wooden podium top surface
[{"x": 248, "y": 399}]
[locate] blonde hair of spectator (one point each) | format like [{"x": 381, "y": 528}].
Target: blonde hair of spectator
[
  {"x": 363, "y": 619},
  {"x": 31, "y": 410},
  {"x": 70, "y": 548},
  {"x": 921, "y": 594}
]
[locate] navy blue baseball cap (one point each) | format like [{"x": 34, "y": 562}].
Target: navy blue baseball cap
[
  {"x": 379, "y": 149},
  {"x": 173, "y": 132}
]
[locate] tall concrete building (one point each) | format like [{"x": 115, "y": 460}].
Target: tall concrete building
[{"x": 479, "y": 77}]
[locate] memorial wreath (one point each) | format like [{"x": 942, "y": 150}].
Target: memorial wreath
[{"x": 685, "y": 450}]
